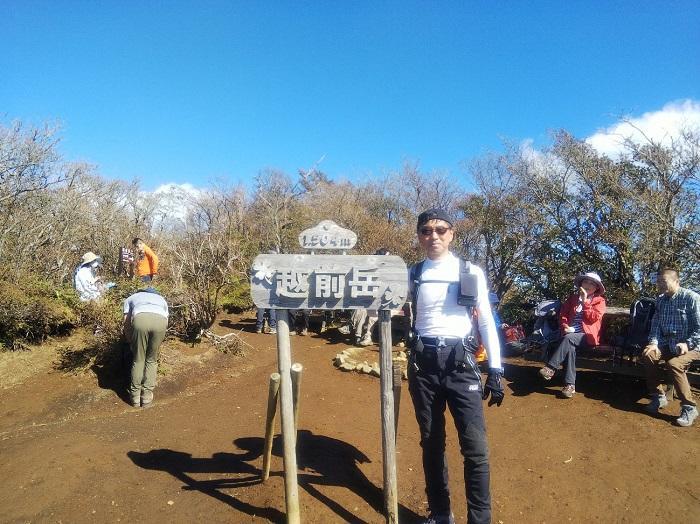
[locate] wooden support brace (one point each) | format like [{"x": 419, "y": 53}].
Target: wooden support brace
[
  {"x": 296, "y": 385},
  {"x": 397, "y": 376},
  {"x": 272, "y": 395}
]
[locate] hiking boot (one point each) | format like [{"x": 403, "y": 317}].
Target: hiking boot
[
  {"x": 547, "y": 373},
  {"x": 569, "y": 391},
  {"x": 146, "y": 399},
  {"x": 442, "y": 518},
  {"x": 688, "y": 415},
  {"x": 657, "y": 402}
]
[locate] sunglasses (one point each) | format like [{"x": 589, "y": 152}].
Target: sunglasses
[{"x": 440, "y": 230}]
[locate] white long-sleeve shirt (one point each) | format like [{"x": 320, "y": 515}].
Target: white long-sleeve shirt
[
  {"x": 439, "y": 315},
  {"x": 87, "y": 284}
]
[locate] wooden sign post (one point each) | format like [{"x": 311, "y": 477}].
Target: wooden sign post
[
  {"x": 291, "y": 282},
  {"x": 386, "y": 385}
]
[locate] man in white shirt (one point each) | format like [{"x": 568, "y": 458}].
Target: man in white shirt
[{"x": 443, "y": 369}]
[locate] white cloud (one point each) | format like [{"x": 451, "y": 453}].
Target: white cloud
[
  {"x": 544, "y": 163},
  {"x": 661, "y": 125},
  {"x": 174, "y": 201},
  {"x": 529, "y": 153},
  {"x": 178, "y": 190}
]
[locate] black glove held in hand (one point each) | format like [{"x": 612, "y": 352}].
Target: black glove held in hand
[{"x": 493, "y": 387}]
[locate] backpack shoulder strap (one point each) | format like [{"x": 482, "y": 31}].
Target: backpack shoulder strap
[
  {"x": 464, "y": 263},
  {"x": 464, "y": 271},
  {"x": 416, "y": 273}
]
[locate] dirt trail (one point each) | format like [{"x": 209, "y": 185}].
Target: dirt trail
[{"x": 71, "y": 450}]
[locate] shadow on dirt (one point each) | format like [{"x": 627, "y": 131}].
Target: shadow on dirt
[
  {"x": 322, "y": 461},
  {"x": 618, "y": 391},
  {"x": 182, "y": 466},
  {"x": 110, "y": 362},
  {"x": 115, "y": 378},
  {"x": 244, "y": 324}
]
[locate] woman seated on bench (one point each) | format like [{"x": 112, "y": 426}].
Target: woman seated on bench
[{"x": 579, "y": 320}]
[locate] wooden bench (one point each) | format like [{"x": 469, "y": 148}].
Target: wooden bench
[{"x": 600, "y": 358}]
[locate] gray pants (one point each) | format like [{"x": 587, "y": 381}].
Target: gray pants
[
  {"x": 363, "y": 321},
  {"x": 147, "y": 333},
  {"x": 566, "y": 354}
]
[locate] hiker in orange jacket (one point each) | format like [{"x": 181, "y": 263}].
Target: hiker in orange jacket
[{"x": 146, "y": 263}]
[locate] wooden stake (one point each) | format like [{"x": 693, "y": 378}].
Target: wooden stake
[
  {"x": 284, "y": 359},
  {"x": 272, "y": 394},
  {"x": 296, "y": 384},
  {"x": 397, "y": 377},
  {"x": 387, "y": 405}
]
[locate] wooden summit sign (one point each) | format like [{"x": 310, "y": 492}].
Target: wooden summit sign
[
  {"x": 293, "y": 282},
  {"x": 372, "y": 282}
]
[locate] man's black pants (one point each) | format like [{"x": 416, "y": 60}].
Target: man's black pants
[{"x": 436, "y": 383}]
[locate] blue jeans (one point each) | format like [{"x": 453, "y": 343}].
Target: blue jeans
[
  {"x": 272, "y": 318},
  {"x": 438, "y": 383},
  {"x": 566, "y": 353}
]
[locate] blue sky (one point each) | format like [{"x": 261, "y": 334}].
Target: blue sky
[{"x": 188, "y": 92}]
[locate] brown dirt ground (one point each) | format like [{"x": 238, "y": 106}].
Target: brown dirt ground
[{"x": 71, "y": 449}]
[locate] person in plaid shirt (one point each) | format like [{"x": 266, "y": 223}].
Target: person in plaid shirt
[{"x": 674, "y": 337}]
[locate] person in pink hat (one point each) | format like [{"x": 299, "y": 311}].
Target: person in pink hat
[{"x": 580, "y": 320}]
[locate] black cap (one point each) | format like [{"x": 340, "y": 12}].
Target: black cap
[{"x": 434, "y": 214}]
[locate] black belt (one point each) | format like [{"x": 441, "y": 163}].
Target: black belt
[
  {"x": 433, "y": 345},
  {"x": 436, "y": 341}
]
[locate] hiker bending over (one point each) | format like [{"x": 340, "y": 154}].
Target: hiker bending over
[
  {"x": 145, "y": 324},
  {"x": 579, "y": 321}
]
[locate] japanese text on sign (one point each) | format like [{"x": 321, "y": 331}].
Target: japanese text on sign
[
  {"x": 327, "y": 284},
  {"x": 329, "y": 281}
]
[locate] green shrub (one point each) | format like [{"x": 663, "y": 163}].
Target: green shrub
[
  {"x": 34, "y": 310},
  {"x": 103, "y": 350},
  {"x": 236, "y": 297},
  {"x": 518, "y": 313}
]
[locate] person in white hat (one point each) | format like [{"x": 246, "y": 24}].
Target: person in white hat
[
  {"x": 87, "y": 283},
  {"x": 580, "y": 320}
]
